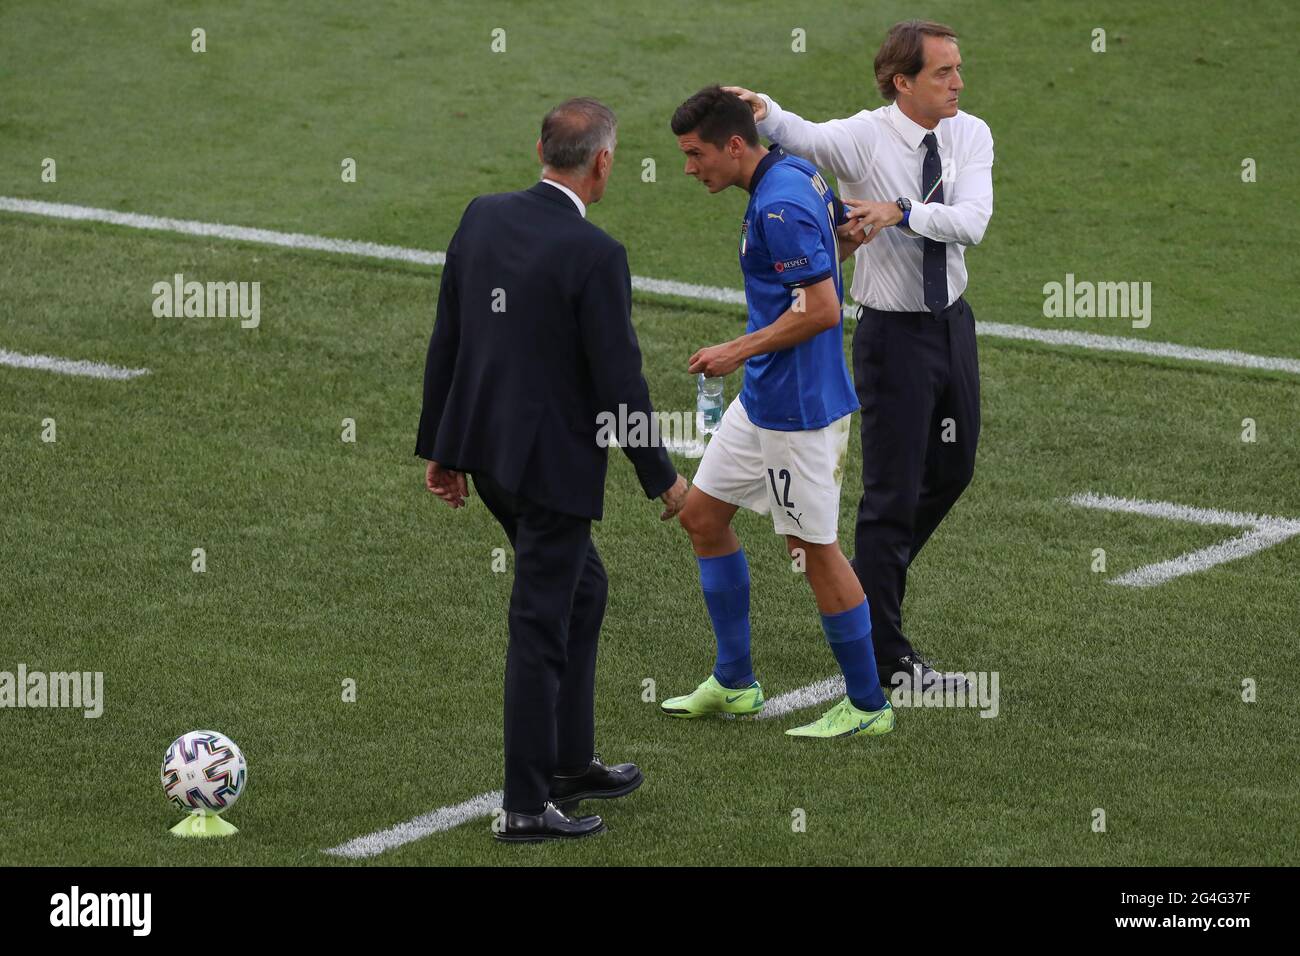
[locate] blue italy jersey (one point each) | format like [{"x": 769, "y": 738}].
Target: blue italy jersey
[{"x": 788, "y": 241}]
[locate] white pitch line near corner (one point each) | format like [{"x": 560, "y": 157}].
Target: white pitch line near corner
[
  {"x": 436, "y": 821},
  {"x": 1243, "y": 546},
  {"x": 63, "y": 366},
  {"x": 686, "y": 290},
  {"x": 1262, "y": 531},
  {"x": 1174, "y": 512},
  {"x": 445, "y": 818}
]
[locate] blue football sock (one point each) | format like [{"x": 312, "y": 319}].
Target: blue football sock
[
  {"x": 849, "y": 634},
  {"x": 725, "y": 581}
]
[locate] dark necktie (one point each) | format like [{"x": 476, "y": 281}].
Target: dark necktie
[{"x": 934, "y": 264}]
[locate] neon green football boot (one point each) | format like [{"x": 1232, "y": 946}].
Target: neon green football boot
[
  {"x": 712, "y": 698},
  {"x": 845, "y": 720}
]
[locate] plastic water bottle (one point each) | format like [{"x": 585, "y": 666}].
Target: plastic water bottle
[{"x": 708, "y": 405}]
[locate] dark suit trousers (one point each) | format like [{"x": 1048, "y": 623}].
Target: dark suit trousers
[
  {"x": 912, "y": 372},
  {"x": 556, "y": 607}
]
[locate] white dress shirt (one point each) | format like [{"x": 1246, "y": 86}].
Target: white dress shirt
[
  {"x": 582, "y": 207},
  {"x": 877, "y": 155}
]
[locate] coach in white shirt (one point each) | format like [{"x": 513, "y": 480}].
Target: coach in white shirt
[{"x": 917, "y": 177}]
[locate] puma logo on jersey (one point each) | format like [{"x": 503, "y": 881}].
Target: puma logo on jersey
[{"x": 777, "y": 215}]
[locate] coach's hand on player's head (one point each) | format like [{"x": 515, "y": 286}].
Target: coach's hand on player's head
[
  {"x": 870, "y": 217},
  {"x": 448, "y": 485},
  {"x": 756, "y": 102},
  {"x": 674, "y": 498},
  {"x": 717, "y": 360}
]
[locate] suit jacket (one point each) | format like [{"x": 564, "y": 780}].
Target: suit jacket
[{"x": 532, "y": 340}]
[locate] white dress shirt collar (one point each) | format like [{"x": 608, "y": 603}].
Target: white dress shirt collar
[
  {"x": 912, "y": 132},
  {"x": 582, "y": 207}
]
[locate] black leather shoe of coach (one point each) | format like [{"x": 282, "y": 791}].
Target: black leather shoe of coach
[
  {"x": 597, "y": 782},
  {"x": 912, "y": 671},
  {"x": 550, "y": 824}
]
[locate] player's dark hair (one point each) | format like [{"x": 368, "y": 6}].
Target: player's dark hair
[
  {"x": 714, "y": 115},
  {"x": 904, "y": 52},
  {"x": 575, "y": 131}
]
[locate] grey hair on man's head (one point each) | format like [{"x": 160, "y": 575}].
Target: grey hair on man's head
[{"x": 575, "y": 131}]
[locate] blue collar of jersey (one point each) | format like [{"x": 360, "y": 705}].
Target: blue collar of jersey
[{"x": 774, "y": 155}]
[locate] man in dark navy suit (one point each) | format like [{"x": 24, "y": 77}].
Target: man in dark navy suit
[{"x": 533, "y": 341}]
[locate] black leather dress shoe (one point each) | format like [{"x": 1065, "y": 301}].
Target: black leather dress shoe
[
  {"x": 550, "y": 824},
  {"x": 912, "y": 671},
  {"x": 597, "y": 782}
]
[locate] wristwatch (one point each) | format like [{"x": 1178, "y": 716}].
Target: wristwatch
[{"x": 905, "y": 206}]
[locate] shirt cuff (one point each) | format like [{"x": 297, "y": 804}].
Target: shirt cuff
[
  {"x": 805, "y": 283},
  {"x": 769, "y": 122},
  {"x": 918, "y": 221}
]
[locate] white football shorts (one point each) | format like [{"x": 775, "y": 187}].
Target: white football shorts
[{"x": 795, "y": 475}]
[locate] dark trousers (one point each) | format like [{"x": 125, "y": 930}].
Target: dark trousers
[
  {"x": 556, "y": 607},
  {"x": 913, "y": 372}
]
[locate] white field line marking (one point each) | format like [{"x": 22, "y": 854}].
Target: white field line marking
[
  {"x": 50, "y": 363},
  {"x": 816, "y": 693},
  {"x": 1263, "y": 531},
  {"x": 189, "y": 227},
  {"x": 295, "y": 240},
  {"x": 444, "y": 818},
  {"x": 1118, "y": 343}
]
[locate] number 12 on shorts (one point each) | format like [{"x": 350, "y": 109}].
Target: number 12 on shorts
[{"x": 784, "y": 475}]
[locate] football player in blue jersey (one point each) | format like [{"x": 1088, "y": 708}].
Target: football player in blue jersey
[{"x": 781, "y": 446}]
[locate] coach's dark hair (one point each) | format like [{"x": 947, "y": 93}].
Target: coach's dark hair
[
  {"x": 714, "y": 115},
  {"x": 575, "y": 131},
  {"x": 904, "y": 51}
]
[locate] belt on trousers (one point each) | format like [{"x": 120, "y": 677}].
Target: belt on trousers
[{"x": 953, "y": 310}]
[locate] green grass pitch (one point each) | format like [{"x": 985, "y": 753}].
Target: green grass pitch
[{"x": 328, "y": 561}]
